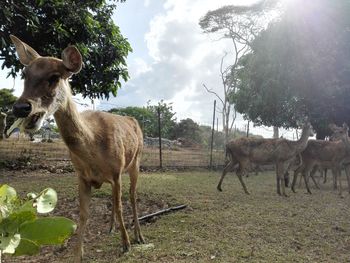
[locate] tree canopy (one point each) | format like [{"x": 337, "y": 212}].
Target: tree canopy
[
  {"x": 7, "y": 99},
  {"x": 50, "y": 26},
  {"x": 299, "y": 65}
]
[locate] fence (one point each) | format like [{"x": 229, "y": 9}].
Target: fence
[{"x": 172, "y": 157}]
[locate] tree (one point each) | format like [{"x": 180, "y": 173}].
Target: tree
[
  {"x": 148, "y": 118},
  {"x": 188, "y": 129},
  {"x": 240, "y": 24},
  {"x": 143, "y": 115},
  {"x": 50, "y": 26},
  {"x": 299, "y": 66},
  {"x": 6, "y": 99},
  {"x": 167, "y": 118}
]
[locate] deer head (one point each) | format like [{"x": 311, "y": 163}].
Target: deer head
[
  {"x": 45, "y": 84},
  {"x": 339, "y": 133}
]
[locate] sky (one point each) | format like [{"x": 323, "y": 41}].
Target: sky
[{"x": 171, "y": 60}]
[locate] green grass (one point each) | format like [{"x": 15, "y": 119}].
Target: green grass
[{"x": 220, "y": 227}]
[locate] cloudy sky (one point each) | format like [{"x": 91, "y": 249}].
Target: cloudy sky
[{"x": 171, "y": 58}]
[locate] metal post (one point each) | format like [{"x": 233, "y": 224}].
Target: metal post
[
  {"x": 248, "y": 129},
  {"x": 212, "y": 138},
  {"x": 160, "y": 140}
]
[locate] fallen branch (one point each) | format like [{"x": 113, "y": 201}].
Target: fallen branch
[{"x": 164, "y": 211}]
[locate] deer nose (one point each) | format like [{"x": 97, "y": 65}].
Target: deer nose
[{"x": 21, "y": 109}]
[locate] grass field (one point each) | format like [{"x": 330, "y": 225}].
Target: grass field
[{"x": 216, "y": 227}]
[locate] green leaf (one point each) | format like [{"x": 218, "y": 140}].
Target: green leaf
[
  {"x": 48, "y": 231},
  {"x": 27, "y": 247},
  {"x": 10, "y": 243},
  {"x": 7, "y": 194},
  {"x": 47, "y": 201},
  {"x": 12, "y": 223}
]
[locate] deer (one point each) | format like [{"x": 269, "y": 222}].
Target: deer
[
  {"x": 325, "y": 154},
  {"x": 101, "y": 145},
  {"x": 281, "y": 152},
  {"x": 3, "y": 116}
]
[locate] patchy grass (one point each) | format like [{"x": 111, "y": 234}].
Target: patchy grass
[{"x": 217, "y": 227}]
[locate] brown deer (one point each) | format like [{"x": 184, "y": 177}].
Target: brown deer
[
  {"x": 3, "y": 116},
  {"x": 101, "y": 145},
  {"x": 325, "y": 154},
  {"x": 280, "y": 152}
]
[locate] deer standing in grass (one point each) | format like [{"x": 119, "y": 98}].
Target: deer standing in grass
[
  {"x": 3, "y": 116},
  {"x": 325, "y": 154},
  {"x": 281, "y": 152},
  {"x": 101, "y": 145}
]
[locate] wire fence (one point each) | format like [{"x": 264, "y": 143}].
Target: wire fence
[{"x": 173, "y": 157}]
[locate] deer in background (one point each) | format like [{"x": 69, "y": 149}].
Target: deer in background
[
  {"x": 3, "y": 116},
  {"x": 101, "y": 145},
  {"x": 281, "y": 152},
  {"x": 325, "y": 154}
]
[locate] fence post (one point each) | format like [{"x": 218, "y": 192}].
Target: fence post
[
  {"x": 160, "y": 140},
  {"x": 212, "y": 138},
  {"x": 248, "y": 128}
]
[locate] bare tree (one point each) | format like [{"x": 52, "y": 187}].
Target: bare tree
[{"x": 240, "y": 24}]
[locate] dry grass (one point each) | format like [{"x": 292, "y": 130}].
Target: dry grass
[
  {"x": 179, "y": 157},
  {"x": 218, "y": 227}
]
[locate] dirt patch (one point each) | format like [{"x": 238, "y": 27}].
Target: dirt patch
[{"x": 97, "y": 232}]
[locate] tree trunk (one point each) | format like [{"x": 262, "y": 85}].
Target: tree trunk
[{"x": 275, "y": 132}]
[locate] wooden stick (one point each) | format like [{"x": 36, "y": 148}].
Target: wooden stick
[{"x": 164, "y": 211}]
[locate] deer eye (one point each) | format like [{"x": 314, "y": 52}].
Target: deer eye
[{"x": 53, "y": 80}]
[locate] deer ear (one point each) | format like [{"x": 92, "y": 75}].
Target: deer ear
[
  {"x": 25, "y": 53},
  {"x": 345, "y": 126},
  {"x": 72, "y": 59}
]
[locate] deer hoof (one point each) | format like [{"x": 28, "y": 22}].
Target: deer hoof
[
  {"x": 219, "y": 188},
  {"x": 126, "y": 247}
]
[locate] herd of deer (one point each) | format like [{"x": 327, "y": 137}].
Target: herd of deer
[
  {"x": 313, "y": 154},
  {"x": 103, "y": 145}
]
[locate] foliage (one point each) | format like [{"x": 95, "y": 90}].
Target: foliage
[
  {"x": 148, "y": 118},
  {"x": 22, "y": 232},
  {"x": 6, "y": 99},
  {"x": 299, "y": 66},
  {"x": 50, "y": 26},
  {"x": 188, "y": 129},
  {"x": 141, "y": 114}
]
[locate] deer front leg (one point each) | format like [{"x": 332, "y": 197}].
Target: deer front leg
[
  {"x": 84, "y": 202},
  {"x": 134, "y": 174},
  {"x": 338, "y": 175},
  {"x": 117, "y": 196},
  {"x": 280, "y": 171}
]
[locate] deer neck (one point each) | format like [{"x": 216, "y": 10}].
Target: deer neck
[
  {"x": 302, "y": 142},
  {"x": 70, "y": 124}
]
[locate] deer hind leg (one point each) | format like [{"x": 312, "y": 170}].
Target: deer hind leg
[
  {"x": 347, "y": 173},
  {"x": 241, "y": 170},
  {"x": 229, "y": 167},
  {"x": 118, "y": 210},
  {"x": 295, "y": 176},
  {"x": 306, "y": 179},
  {"x": 84, "y": 201},
  {"x": 312, "y": 173},
  {"x": 134, "y": 174}
]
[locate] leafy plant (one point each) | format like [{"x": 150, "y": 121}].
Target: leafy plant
[{"x": 22, "y": 231}]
